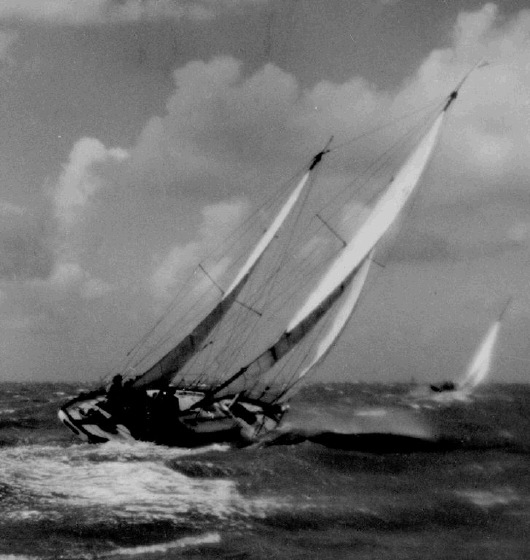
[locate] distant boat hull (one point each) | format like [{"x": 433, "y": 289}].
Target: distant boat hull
[{"x": 169, "y": 420}]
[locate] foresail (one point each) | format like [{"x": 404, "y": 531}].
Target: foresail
[
  {"x": 341, "y": 317},
  {"x": 481, "y": 363},
  {"x": 163, "y": 371}
]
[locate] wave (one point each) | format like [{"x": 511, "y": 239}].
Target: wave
[
  {"x": 490, "y": 498},
  {"x": 185, "y": 542},
  {"x": 17, "y": 557}
]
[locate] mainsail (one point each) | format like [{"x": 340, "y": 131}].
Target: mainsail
[
  {"x": 347, "y": 274},
  {"x": 163, "y": 371}
]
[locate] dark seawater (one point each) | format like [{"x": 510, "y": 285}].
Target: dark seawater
[{"x": 382, "y": 476}]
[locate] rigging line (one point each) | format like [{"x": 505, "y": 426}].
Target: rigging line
[
  {"x": 161, "y": 342},
  {"x": 212, "y": 280},
  {"x": 264, "y": 291},
  {"x": 305, "y": 275},
  {"x": 236, "y": 349},
  {"x": 369, "y": 174},
  {"x": 275, "y": 270},
  {"x": 210, "y": 355},
  {"x": 146, "y": 336},
  {"x": 387, "y": 125},
  {"x": 331, "y": 230},
  {"x": 380, "y": 160}
]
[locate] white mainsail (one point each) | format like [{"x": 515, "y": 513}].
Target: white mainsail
[
  {"x": 481, "y": 363},
  {"x": 348, "y": 272},
  {"x": 175, "y": 359},
  {"x": 376, "y": 225}
]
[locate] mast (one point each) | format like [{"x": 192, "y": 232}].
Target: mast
[{"x": 168, "y": 366}]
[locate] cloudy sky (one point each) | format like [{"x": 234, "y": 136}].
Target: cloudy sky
[{"x": 130, "y": 131}]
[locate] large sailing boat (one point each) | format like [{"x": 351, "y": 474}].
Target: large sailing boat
[{"x": 231, "y": 376}]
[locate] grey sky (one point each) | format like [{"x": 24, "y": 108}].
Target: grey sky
[{"x": 129, "y": 131}]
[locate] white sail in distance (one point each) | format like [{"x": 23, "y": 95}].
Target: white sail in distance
[
  {"x": 167, "y": 367},
  {"x": 481, "y": 363}
]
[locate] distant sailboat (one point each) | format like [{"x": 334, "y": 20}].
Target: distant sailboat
[
  {"x": 220, "y": 384},
  {"x": 478, "y": 369}
]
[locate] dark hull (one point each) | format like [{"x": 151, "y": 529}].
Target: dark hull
[{"x": 95, "y": 419}]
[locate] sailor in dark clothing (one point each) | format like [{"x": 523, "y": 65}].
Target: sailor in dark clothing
[{"x": 114, "y": 392}]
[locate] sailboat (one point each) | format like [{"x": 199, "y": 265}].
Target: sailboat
[
  {"x": 476, "y": 372},
  {"x": 220, "y": 384}
]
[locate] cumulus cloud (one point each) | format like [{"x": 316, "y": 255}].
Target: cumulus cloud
[
  {"x": 70, "y": 276},
  {"x": 217, "y": 221},
  {"x": 80, "y": 180},
  {"x": 224, "y": 130},
  {"x": 96, "y": 12}
]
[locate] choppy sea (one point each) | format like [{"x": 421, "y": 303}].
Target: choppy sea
[{"x": 359, "y": 471}]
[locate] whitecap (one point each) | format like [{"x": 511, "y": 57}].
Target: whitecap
[
  {"x": 490, "y": 498},
  {"x": 122, "y": 480},
  {"x": 185, "y": 542},
  {"x": 17, "y": 557}
]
